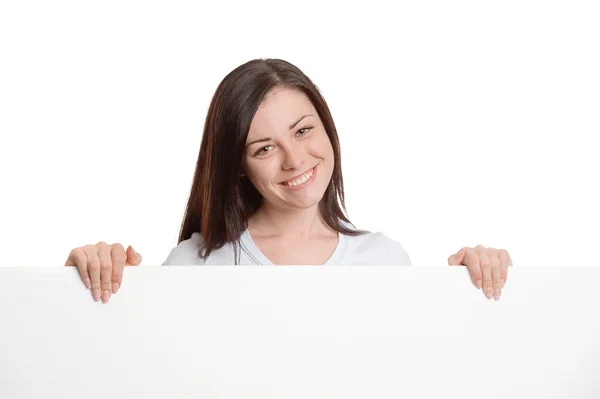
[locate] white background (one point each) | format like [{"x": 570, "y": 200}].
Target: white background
[{"x": 461, "y": 123}]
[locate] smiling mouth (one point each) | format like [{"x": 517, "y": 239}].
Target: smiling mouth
[{"x": 300, "y": 180}]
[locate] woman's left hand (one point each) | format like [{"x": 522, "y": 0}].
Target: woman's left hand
[{"x": 488, "y": 267}]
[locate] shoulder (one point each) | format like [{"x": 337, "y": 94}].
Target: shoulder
[
  {"x": 187, "y": 253},
  {"x": 376, "y": 248}
]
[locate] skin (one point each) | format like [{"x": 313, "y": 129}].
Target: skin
[
  {"x": 286, "y": 139},
  {"x": 282, "y": 154},
  {"x": 291, "y": 140},
  {"x": 488, "y": 267}
]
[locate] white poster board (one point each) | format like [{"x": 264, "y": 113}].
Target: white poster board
[{"x": 300, "y": 332}]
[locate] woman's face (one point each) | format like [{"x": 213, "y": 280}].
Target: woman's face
[{"x": 288, "y": 155}]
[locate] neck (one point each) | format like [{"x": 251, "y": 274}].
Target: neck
[{"x": 288, "y": 223}]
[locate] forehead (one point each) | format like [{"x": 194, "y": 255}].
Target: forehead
[{"x": 278, "y": 110}]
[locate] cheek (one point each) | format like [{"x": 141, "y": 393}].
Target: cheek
[
  {"x": 327, "y": 151},
  {"x": 329, "y": 157},
  {"x": 330, "y": 151},
  {"x": 321, "y": 146},
  {"x": 261, "y": 175}
]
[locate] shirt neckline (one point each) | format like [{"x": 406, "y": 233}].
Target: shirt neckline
[{"x": 259, "y": 258}]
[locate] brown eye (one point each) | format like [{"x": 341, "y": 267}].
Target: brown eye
[
  {"x": 304, "y": 130},
  {"x": 262, "y": 150}
]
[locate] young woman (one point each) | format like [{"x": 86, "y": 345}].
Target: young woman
[{"x": 268, "y": 190}]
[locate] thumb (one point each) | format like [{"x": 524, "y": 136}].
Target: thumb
[
  {"x": 133, "y": 258},
  {"x": 456, "y": 259}
]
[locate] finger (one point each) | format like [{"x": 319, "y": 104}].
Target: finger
[
  {"x": 93, "y": 265},
  {"x": 457, "y": 258},
  {"x": 496, "y": 274},
  {"x": 472, "y": 262},
  {"x": 105, "y": 270},
  {"x": 117, "y": 254},
  {"x": 133, "y": 258},
  {"x": 506, "y": 262},
  {"x": 77, "y": 258},
  {"x": 486, "y": 270}
]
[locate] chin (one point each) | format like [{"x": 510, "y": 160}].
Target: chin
[
  {"x": 310, "y": 204},
  {"x": 299, "y": 203}
]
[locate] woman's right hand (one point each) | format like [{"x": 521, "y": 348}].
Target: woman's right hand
[{"x": 101, "y": 266}]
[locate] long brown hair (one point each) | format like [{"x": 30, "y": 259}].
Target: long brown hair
[{"x": 220, "y": 203}]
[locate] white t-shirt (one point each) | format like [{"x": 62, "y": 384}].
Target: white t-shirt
[{"x": 367, "y": 249}]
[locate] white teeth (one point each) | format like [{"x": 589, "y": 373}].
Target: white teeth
[{"x": 301, "y": 179}]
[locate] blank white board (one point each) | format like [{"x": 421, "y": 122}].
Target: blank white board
[{"x": 300, "y": 332}]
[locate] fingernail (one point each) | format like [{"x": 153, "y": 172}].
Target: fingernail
[
  {"x": 497, "y": 294},
  {"x": 96, "y": 294},
  {"x": 502, "y": 283},
  {"x": 106, "y": 296},
  {"x": 115, "y": 287},
  {"x": 87, "y": 283},
  {"x": 478, "y": 285},
  {"x": 133, "y": 250},
  {"x": 489, "y": 292}
]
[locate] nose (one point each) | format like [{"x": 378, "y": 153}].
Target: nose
[{"x": 293, "y": 157}]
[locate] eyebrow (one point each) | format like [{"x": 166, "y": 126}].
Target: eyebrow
[{"x": 293, "y": 125}]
